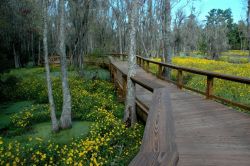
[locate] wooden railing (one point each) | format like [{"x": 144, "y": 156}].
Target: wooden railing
[
  {"x": 122, "y": 57},
  {"x": 210, "y": 76},
  {"x": 54, "y": 60},
  {"x": 158, "y": 144}
]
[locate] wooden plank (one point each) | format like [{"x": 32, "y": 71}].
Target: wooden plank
[
  {"x": 146, "y": 83},
  {"x": 207, "y": 132},
  {"x": 158, "y": 142}
]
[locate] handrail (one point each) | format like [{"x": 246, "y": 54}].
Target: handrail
[
  {"x": 158, "y": 144},
  {"x": 210, "y": 78},
  {"x": 201, "y": 72}
]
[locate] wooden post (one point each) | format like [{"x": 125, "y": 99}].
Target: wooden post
[
  {"x": 180, "y": 79},
  {"x": 115, "y": 75},
  {"x": 143, "y": 64},
  {"x": 147, "y": 66},
  {"x": 210, "y": 82},
  {"x": 112, "y": 73},
  {"x": 124, "y": 86},
  {"x": 159, "y": 74}
]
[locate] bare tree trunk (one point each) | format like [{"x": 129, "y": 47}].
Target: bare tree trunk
[
  {"x": 32, "y": 49},
  {"x": 39, "y": 52},
  {"x": 55, "y": 126},
  {"x": 66, "y": 112},
  {"x": 248, "y": 26},
  {"x": 150, "y": 26},
  {"x": 16, "y": 58},
  {"x": 143, "y": 44},
  {"x": 166, "y": 32},
  {"x": 120, "y": 38},
  {"x": 130, "y": 112}
]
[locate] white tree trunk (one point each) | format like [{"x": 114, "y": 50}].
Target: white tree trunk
[
  {"x": 32, "y": 49},
  {"x": 248, "y": 26},
  {"x": 166, "y": 32},
  {"x": 55, "y": 126},
  {"x": 39, "y": 53},
  {"x": 65, "y": 120},
  {"x": 130, "y": 111},
  {"x": 120, "y": 38}
]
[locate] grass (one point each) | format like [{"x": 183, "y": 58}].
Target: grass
[
  {"x": 8, "y": 109},
  {"x": 231, "y": 56},
  {"x": 236, "y": 53}
]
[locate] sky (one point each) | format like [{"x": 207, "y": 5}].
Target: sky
[{"x": 238, "y": 8}]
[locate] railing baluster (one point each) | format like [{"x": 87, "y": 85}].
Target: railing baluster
[
  {"x": 144, "y": 62},
  {"x": 180, "y": 79},
  {"x": 159, "y": 75},
  {"x": 209, "y": 91},
  {"x": 124, "y": 86},
  {"x": 210, "y": 78},
  {"x": 110, "y": 71},
  {"x": 147, "y": 66}
]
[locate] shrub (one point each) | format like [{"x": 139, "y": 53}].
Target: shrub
[
  {"x": 22, "y": 121},
  {"x": 8, "y": 86}
]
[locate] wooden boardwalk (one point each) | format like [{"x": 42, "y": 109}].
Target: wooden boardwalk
[{"x": 207, "y": 133}]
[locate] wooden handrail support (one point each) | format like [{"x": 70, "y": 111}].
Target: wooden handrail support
[
  {"x": 158, "y": 144},
  {"x": 210, "y": 79}
]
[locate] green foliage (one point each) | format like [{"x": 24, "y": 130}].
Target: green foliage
[
  {"x": 14, "y": 80},
  {"x": 98, "y": 52},
  {"x": 87, "y": 95},
  {"x": 109, "y": 143},
  {"x": 7, "y": 86},
  {"x": 106, "y": 142},
  {"x": 234, "y": 59},
  {"x": 8, "y": 109},
  {"x": 22, "y": 121},
  {"x": 93, "y": 71},
  {"x": 32, "y": 88}
]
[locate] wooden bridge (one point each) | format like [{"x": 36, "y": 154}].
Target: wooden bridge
[{"x": 182, "y": 127}]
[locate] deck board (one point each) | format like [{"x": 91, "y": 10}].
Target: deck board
[{"x": 207, "y": 132}]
